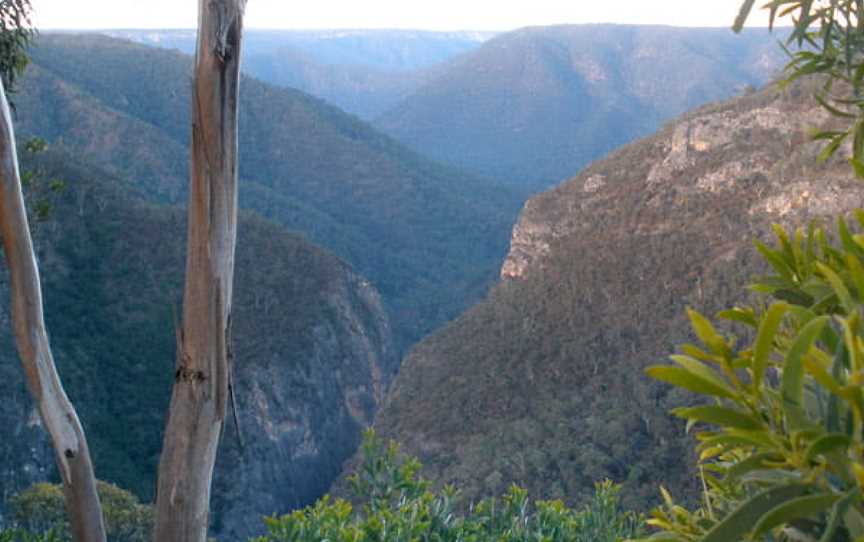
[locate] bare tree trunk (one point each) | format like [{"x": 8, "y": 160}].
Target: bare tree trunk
[
  {"x": 199, "y": 399},
  {"x": 58, "y": 414}
]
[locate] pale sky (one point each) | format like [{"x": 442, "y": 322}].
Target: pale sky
[{"x": 413, "y": 14}]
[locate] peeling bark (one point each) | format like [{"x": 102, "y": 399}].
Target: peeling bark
[
  {"x": 202, "y": 378},
  {"x": 31, "y": 337}
]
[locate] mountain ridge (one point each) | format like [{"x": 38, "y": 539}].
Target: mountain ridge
[
  {"x": 534, "y": 105},
  {"x": 395, "y": 216},
  {"x": 541, "y": 383}
]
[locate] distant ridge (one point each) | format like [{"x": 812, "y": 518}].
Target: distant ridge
[
  {"x": 363, "y": 72},
  {"x": 534, "y": 105},
  {"x": 429, "y": 237}
]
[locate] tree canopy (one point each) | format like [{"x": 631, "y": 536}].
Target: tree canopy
[{"x": 16, "y": 32}]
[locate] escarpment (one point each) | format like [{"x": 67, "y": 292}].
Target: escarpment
[{"x": 542, "y": 383}]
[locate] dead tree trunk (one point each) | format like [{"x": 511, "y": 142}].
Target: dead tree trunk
[
  {"x": 200, "y": 396},
  {"x": 58, "y": 414}
]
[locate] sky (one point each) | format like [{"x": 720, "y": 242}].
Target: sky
[{"x": 413, "y": 14}]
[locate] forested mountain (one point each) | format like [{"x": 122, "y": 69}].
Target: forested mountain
[
  {"x": 430, "y": 238},
  {"x": 542, "y": 383},
  {"x": 535, "y": 105},
  {"x": 313, "y": 348},
  {"x": 364, "y": 72}
]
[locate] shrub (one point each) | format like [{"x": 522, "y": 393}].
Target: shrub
[
  {"x": 783, "y": 458},
  {"x": 398, "y": 505},
  {"x": 39, "y": 513}
]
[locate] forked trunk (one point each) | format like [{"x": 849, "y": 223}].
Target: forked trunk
[
  {"x": 31, "y": 337},
  {"x": 200, "y": 395}
]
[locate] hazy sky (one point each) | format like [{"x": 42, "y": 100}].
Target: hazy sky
[{"x": 425, "y": 14}]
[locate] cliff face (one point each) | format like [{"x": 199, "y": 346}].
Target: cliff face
[
  {"x": 300, "y": 410},
  {"x": 753, "y": 148},
  {"x": 542, "y": 383},
  {"x": 313, "y": 351}
]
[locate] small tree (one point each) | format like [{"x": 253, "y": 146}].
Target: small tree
[
  {"x": 202, "y": 380},
  {"x": 203, "y": 369},
  {"x": 58, "y": 414}
]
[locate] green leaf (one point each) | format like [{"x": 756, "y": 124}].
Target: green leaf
[
  {"x": 857, "y": 167},
  {"x": 756, "y": 461},
  {"x": 765, "y": 341},
  {"x": 743, "y": 13},
  {"x": 856, "y": 272},
  {"x": 799, "y": 508},
  {"x": 838, "y": 513},
  {"x": 775, "y": 260},
  {"x": 827, "y": 443},
  {"x": 718, "y": 415},
  {"x": 846, "y": 238},
  {"x": 706, "y": 332},
  {"x": 838, "y": 286},
  {"x": 792, "y": 385},
  {"x": 687, "y": 380},
  {"x": 700, "y": 369},
  {"x": 832, "y": 421},
  {"x": 744, "y": 316},
  {"x": 744, "y": 518},
  {"x": 737, "y": 438}
]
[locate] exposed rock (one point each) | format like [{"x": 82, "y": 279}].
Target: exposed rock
[{"x": 746, "y": 146}]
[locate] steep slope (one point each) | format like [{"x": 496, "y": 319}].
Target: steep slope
[
  {"x": 364, "y": 72},
  {"x": 313, "y": 350},
  {"x": 535, "y": 105},
  {"x": 428, "y": 237},
  {"x": 542, "y": 383}
]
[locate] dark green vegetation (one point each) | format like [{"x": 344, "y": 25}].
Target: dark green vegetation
[
  {"x": 41, "y": 509},
  {"x": 313, "y": 347},
  {"x": 16, "y": 34},
  {"x": 429, "y": 238},
  {"x": 542, "y": 383},
  {"x": 536, "y": 105},
  {"x": 395, "y": 504},
  {"x": 363, "y": 72},
  {"x": 391, "y": 502}
]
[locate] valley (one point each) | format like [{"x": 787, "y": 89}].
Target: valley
[{"x": 473, "y": 242}]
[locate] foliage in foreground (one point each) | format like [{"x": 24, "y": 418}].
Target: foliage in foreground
[
  {"x": 784, "y": 459},
  {"x": 829, "y": 38},
  {"x": 39, "y": 514},
  {"x": 398, "y": 505}
]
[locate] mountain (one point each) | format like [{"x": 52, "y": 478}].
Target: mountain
[
  {"x": 313, "y": 348},
  {"x": 534, "y": 105},
  {"x": 542, "y": 383},
  {"x": 364, "y": 72},
  {"x": 430, "y": 238}
]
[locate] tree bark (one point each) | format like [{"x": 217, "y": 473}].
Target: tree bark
[
  {"x": 31, "y": 337},
  {"x": 203, "y": 366}
]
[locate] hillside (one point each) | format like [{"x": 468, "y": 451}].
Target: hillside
[
  {"x": 314, "y": 349},
  {"x": 542, "y": 383},
  {"x": 363, "y": 72},
  {"x": 535, "y": 105},
  {"x": 428, "y": 237}
]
